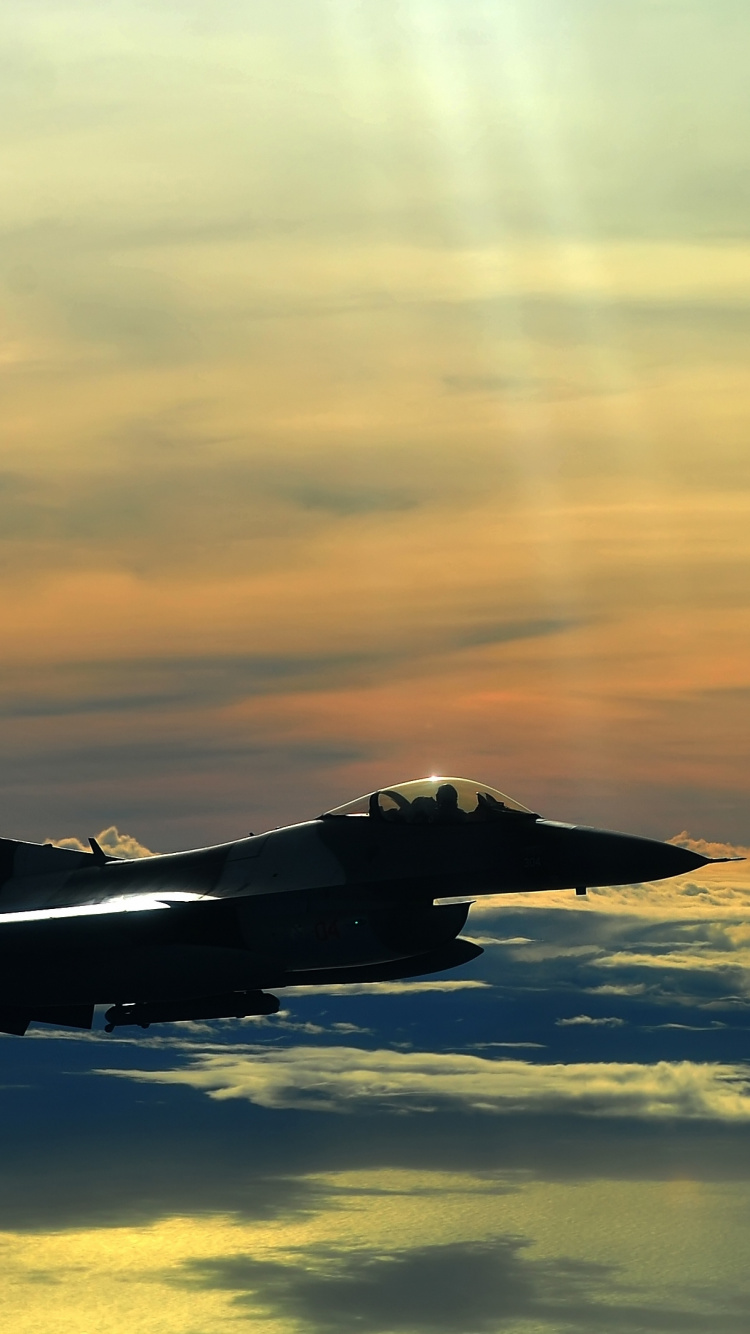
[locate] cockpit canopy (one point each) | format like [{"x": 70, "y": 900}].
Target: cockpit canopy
[{"x": 434, "y": 800}]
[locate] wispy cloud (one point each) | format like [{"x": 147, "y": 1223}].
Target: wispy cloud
[
  {"x": 588, "y": 1021},
  {"x": 447, "y": 984},
  {"x": 345, "y": 1079},
  {"x": 154, "y": 684}
]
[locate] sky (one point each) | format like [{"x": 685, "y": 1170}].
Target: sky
[{"x": 375, "y": 403}]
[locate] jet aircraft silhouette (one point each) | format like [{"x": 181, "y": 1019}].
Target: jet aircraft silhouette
[{"x": 351, "y": 896}]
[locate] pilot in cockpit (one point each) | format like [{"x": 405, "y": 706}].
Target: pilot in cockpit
[
  {"x": 446, "y": 804},
  {"x": 448, "y": 810}
]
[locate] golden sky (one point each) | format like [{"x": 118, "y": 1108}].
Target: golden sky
[{"x": 375, "y": 402}]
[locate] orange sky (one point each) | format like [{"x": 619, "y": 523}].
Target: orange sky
[
  {"x": 360, "y": 420},
  {"x": 374, "y": 401}
]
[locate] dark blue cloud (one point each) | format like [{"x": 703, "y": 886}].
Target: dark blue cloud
[{"x": 466, "y": 1288}]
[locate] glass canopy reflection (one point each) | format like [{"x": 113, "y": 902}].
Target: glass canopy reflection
[{"x": 434, "y": 800}]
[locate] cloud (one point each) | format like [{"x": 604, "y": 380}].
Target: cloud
[
  {"x": 686, "y": 840},
  {"x": 693, "y": 952},
  {"x": 587, "y": 1020},
  {"x": 79, "y": 1182},
  {"x": 713, "y": 891},
  {"x": 157, "y": 684},
  {"x": 346, "y": 1079},
  {"x": 484, "y": 1046},
  {"x": 110, "y": 841},
  {"x": 497, "y": 940},
  {"x": 388, "y": 988},
  {"x": 468, "y": 1287},
  {"x": 623, "y": 989},
  {"x": 520, "y": 387},
  {"x": 351, "y": 500},
  {"x": 505, "y": 632}
]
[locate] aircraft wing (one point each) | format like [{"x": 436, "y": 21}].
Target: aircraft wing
[{"x": 39, "y": 876}]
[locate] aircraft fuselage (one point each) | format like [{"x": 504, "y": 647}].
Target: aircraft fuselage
[{"x": 345, "y": 897}]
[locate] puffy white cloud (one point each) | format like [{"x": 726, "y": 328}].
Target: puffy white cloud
[
  {"x": 343, "y": 1079},
  {"x": 110, "y": 841},
  {"x": 706, "y": 849}
]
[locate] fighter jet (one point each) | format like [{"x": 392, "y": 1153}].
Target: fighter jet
[{"x": 354, "y": 895}]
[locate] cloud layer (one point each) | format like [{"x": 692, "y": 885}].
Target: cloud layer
[
  {"x": 347, "y": 1079},
  {"x": 461, "y": 1286},
  {"x": 111, "y": 841}
]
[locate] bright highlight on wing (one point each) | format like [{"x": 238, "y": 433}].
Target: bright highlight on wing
[{"x": 141, "y": 903}]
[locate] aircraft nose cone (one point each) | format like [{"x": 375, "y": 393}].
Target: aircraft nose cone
[
  {"x": 671, "y": 859},
  {"x": 623, "y": 859}
]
